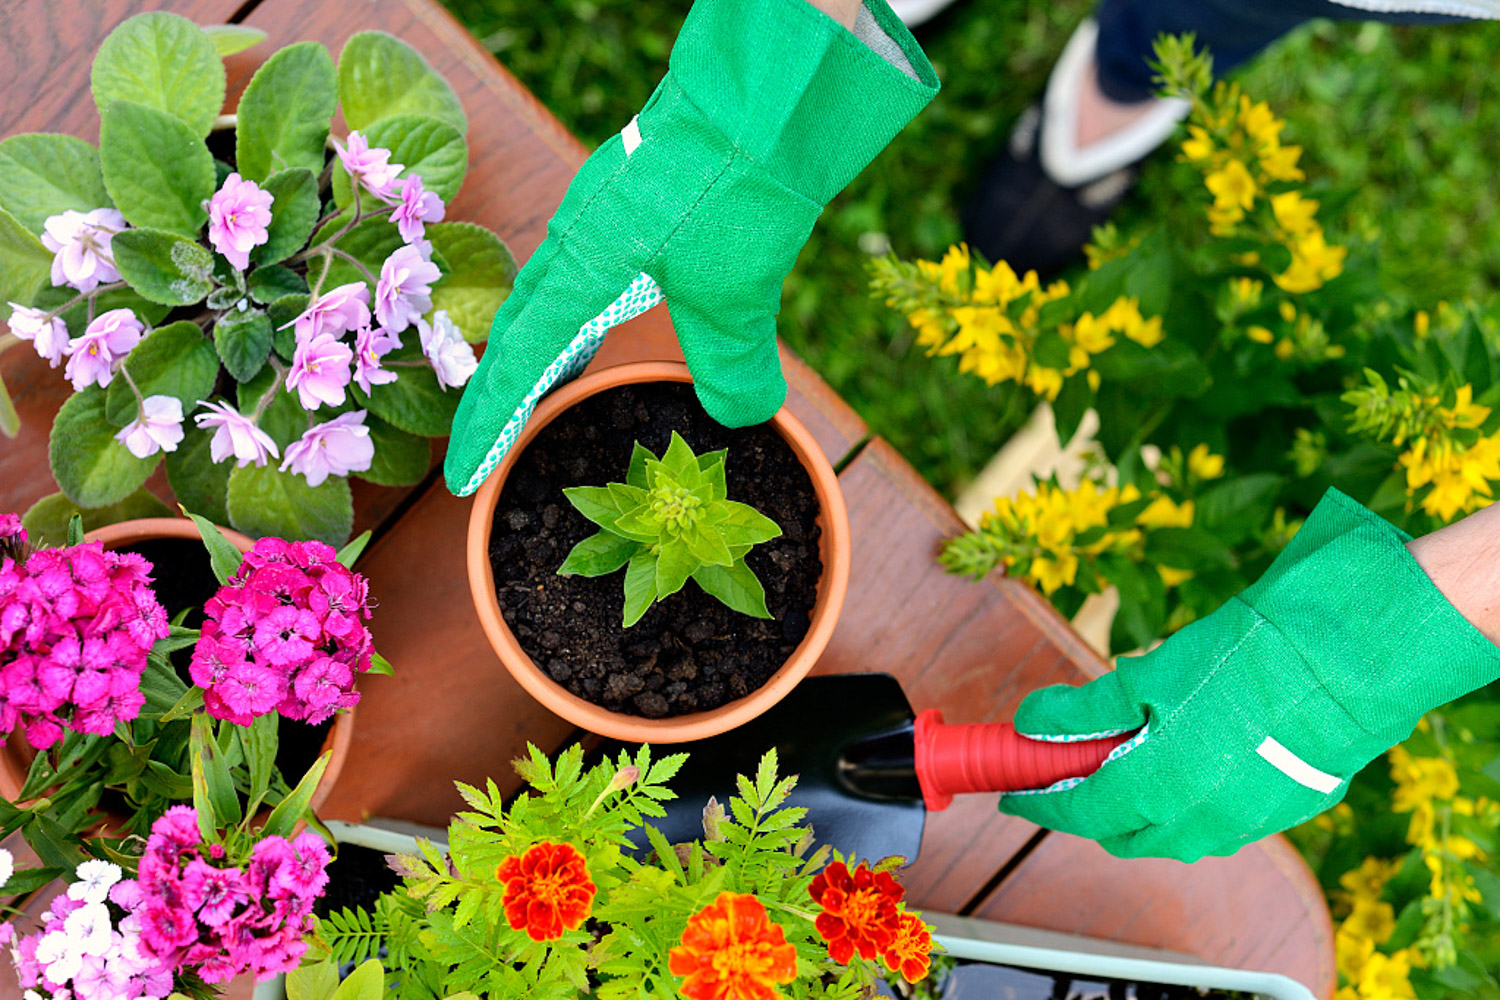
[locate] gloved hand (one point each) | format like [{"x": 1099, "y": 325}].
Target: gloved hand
[
  {"x": 1256, "y": 717},
  {"x": 769, "y": 108}
]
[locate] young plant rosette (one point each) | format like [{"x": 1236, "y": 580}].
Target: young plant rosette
[
  {"x": 268, "y": 316},
  {"x": 834, "y": 550},
  {"x": 548, "y": 897}
]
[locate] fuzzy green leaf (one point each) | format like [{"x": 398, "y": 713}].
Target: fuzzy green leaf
[
  {"x": 736, "y": 585},
  {"x": 174, "y": 360},
  {"x": 164, "y": 267},
  {"x": 10, "y": 420},
  {"x": 294, "y": 212},
  {"x": 640, "y": 587},
  {"x": 480, "y": 274},
  {"x": 370, "y": 243},
  {"x": 197, "y": 482},
  {"x": 426, "y": 147},
  {"x": 285, "y": 112},
  {"x": 46, "y": 522},
  {"x": 242, "y": 338},
  {"x": 599, "y": 555},
  {"x": 415, "y": 402},
  {"x": 44, "y": 174},
  {"x": 266, "y": 284},
  {"x": 379, "y": 75},
  {"x": 90, "y": 466},
  {"x": 401, "y": 459},
  {"x": 24, "y": 263},
  {"x": 164, "y": 62},
  {"x": 265, "y": 501},
  {"x": 157, "y": 170}
]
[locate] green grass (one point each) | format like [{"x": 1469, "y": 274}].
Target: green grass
[{"x": 1409, "y": 118}]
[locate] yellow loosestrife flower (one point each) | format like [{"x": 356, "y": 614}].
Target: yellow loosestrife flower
[
  {"x": 1163, "y": 512},
  {"x": 1294, "y": 213},
  {"x": 1204, "y": 464},
  {"x": 1232, "y": 187}
]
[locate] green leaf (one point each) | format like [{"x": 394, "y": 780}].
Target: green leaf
[
  {"x": 222, "y": 555},
  {"x": 259, "y": 741},
  {"x": 737, "y": 586},
  {"x": 284, "y": 818},
  {"x": 365, "y": 983},
  {"x": 285, "y": 112},
  {"x": 283, "y": 312},
  {"x": 1070, "y": 405},
  {"x": 231, "y": 38},
  {"x": 190, "y": 702},
  {"x": 351, "y": 552},
  {"x": 415, "y": 402},
  {"x": 44, "y": 174},
  {"x": 294, "y": 212},
  {"x": 481, "y": 273},
  {"x": 427, "y": 147},
  {"x": 380, "y": 76},
  {"x": 47, "y": 521},
  {"x": 370, "y": 243},
  {"x": 213, "y": 787},
  {"x": 401, "y": 459},
  {"x": 23, "y": 883},
  {"x": 24, "y": 263},
  {"x": 1051, "y": 351},
  {"x": 157, "y": 170},
  {"x": 242, "y": 338},
  {"x": 708, "y": 546},
  {"x": 1239, "y": 506},
  {"x": 10, "y": 420},
  {"x": 166, "y": 63},
  {"x": 90, "y": 466},
  {"x": 712, "y": 465},
  {"x": 640, "y": 587},
  {"x": 312, "y": 981},
  {"x": 164, "y": 267},
  {"x": 596, "y": 503},
  {"x": 598, "y": 555},
  {"x": 174, "y": 360},
  {"x": 75, "y": 529},
  {"x": 197, "y": 482},
  {"x": 674, "y": 564},
  {"x": 741, "y": 524},
  {"x": 681, "y": 462},
  {"x": 77, "y": 316},
  {"x": 265, "y": 501},
  {"x": 639, "y": 456},
  {"x": 380, "y": 665},
  {"x": 268, "y": 283}
]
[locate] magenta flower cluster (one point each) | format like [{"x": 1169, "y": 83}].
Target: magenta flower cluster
[
  {"x": 199, "y": 912},
  {"x": 75, "y": 627},
  {"x": 286, "y": 634}
]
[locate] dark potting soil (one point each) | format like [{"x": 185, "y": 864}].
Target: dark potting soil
[
  {"x": 356, "y": 878},
  {"x": 183, "y": 577},
  {"x": 689, "y": 653}
]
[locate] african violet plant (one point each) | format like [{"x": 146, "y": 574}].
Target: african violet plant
[
  {"x": 300, "y": 291},
  {"x": 671, "y": 521},
  {"x": 548, "y": 899}
]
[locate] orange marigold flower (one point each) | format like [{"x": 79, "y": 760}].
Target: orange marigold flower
[
  {"x": 859, "y": 910},
  {"x": 547, "y": 890},
  {"x": 732, "y": 951},
  {"x": 910, "y": 952}
]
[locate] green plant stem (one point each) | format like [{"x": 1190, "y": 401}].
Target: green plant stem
[
  {"x": 7, "y": 341},
  {"x": 140, "y": 400},
  {"x": 86, "y": 295},
  {"x": 265, "y": 400},
  {"x": 355, "y": 261}
]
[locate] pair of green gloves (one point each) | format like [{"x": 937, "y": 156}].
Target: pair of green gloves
[{"x": 1249, "y": 721}]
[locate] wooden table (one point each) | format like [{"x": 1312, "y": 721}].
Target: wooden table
[{"x": 451, "y": 711}]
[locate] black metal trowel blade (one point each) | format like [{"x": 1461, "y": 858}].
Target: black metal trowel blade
[{"x": 847, "y": 737}]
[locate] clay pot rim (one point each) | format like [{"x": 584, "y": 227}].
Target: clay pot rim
[
  {"x": 122, "y": 533},
  {"x": 833, "y": 586}
]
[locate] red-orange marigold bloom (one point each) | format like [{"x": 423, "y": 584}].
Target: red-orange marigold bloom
[
  {"x": 732, "y": 951},
  {"x": 547, "y": 890},
  {"x": 859, "y": 910},
  {"x": 910, "y": 952}
]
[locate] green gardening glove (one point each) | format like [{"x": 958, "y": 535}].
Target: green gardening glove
[
  {"x": 769, "y": 108},
  {"x": 1256, "y": 717}
]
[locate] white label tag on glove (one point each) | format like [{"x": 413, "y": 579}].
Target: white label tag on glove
[
  {"x": 1296, "y": 768},
  {"x": 630, "y": 135}
]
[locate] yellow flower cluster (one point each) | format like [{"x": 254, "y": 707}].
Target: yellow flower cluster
[
  {"x": 1427, "y": 787},
  {"x": 1459, "y": 474},
  {"x": 1236, "y": 144},
  {"x": 1369, "y": 974}
]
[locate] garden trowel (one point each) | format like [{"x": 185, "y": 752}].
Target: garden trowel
[{"x": 868, "y": 767}]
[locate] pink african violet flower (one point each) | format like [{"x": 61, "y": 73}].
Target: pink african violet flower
[
  {"x": 76, "y": 625},
  {"x": 444, "y": 346},
  {"x": 416, "y": 207},
  {"x": 346, "y": 307},
  {"x": 47, "y": 333},
  {"x": 158, "y": 428},
  {"x": 368, "y": 165},
  {"x": 370, "y": 345},
  {"x": 80, "y": 242},
  {"x": 402, "y": 293},
  {"x": 238, "y": 215},
  {"x": 235, "y": 434},
  {"x": 334, "y": 448},
  {"x": 290, "y": 623},
  {"x": 93, "y": 356},
  {"x": 320, "y": 371}
]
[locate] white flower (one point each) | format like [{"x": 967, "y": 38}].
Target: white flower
[
  {"x": 452, "y": 357},
  {"x": 81, "y": 244},
  {"x": 96, "y": 876},
  {"x": 158, "y": 428},
  {"x": 48, "y": 334},
  {"x": 7, "y": 866},
  {"x": 90, "y": 929},
  {"x": 59, "y": 956}
]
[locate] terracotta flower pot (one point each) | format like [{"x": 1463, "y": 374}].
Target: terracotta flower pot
[
  {"x": 16, "y": 756},
  {"x": 834, "y": 550}
]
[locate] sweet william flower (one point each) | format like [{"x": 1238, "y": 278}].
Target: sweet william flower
[
  {"x": 235, "y": 434},
  {"x": 320, "y": 371},
  {"x": 444, "y": 346},
  {"x": 334, "y": 448},
  {"x": 403, "y": 292},
  {"x": 105, "y": 342},
  {"x": 344, "y": 308},
  {"x": 47, "y": 333},
  {"x": 732, "y": 951},
  {"x": 370, "y": 345},
  {"x": 158, "y": 428},
  {"x": 368, "y": 165},
  {"x": 238, "y": 215},
  {"x": 547, "y": 890},
  {"x": 80, "y": 243},
  {"x": 417, "y": 206}
]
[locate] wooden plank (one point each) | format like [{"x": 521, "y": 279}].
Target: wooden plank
[
  {"x": 1260, "y": 909},
  {"x": 971, "y": 649}
]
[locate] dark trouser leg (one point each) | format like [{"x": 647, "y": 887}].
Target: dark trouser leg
[{"x": 1232, "y": 30}]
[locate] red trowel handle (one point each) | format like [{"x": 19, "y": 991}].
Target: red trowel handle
[{"x": 993, "y": 757}]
